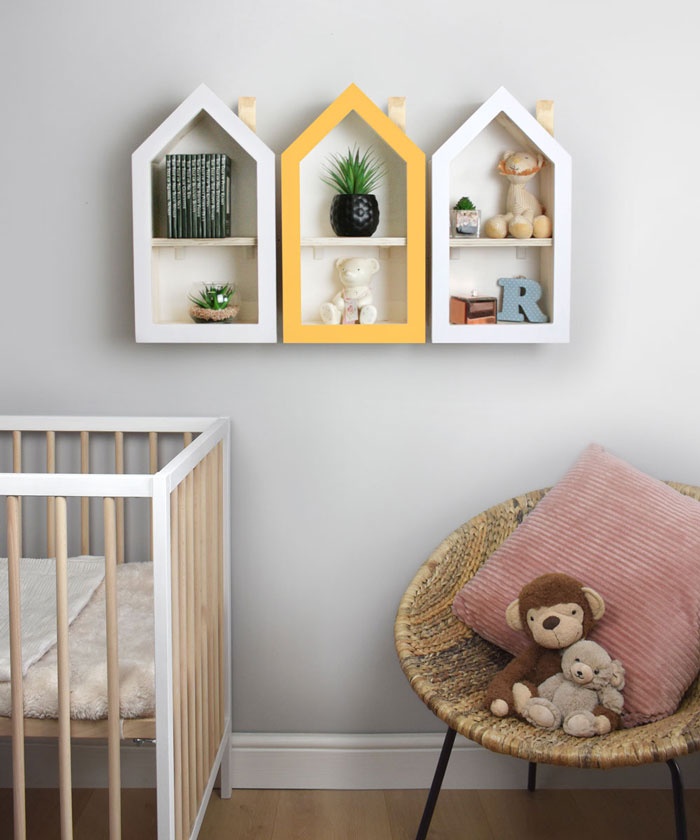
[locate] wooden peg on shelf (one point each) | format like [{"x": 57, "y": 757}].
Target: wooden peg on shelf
[
  {"x": 397, "y": 111},
  {"x": 544, "y": 113},
  {"x": 246, "y": 110}
]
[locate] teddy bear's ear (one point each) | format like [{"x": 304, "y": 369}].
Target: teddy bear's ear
[
  {"x": 540, "y": 161},
  {"x": 595, "y": 602},
  {"x": 617, "y": 680},
  {"x": 339, "y": 262},
  {"x": 374, "y": 264},
  {"x": 513, "y": 615}
]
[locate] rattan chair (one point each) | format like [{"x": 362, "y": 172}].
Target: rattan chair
[{"x": 449, "y": 666}]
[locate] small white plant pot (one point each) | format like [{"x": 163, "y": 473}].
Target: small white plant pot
[{"x": 466, "y": 222}]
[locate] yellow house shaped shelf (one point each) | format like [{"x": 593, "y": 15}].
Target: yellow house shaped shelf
[{"x": 310, "y": 248}]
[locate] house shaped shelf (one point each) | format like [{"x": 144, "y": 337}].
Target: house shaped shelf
[
  {"x": 168, "y": 270},
  {"x": 310, "y": 248},
  {"x": 466, "y": 165}
]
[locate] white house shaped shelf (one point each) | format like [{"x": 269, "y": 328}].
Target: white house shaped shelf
[
  {"x": 168, "y": 270},
  {"x": 466, "y": 165}
]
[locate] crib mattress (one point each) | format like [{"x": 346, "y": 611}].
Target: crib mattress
[{"x": 88, "y": 658}]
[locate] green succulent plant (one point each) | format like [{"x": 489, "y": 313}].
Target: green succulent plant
[
  {"x": 213, "y": 296},
  {"x": 465, "y": 203},
  {"x": 353, "y": 174}
]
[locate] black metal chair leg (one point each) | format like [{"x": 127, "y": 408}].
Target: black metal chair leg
[
  {"x": 678, "y": 803},
  {"x": 437, "y": 784},
  {"x": 532, "y": 776}
]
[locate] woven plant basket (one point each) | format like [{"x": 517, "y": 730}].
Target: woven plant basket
[{"x": 449, "y": 666}]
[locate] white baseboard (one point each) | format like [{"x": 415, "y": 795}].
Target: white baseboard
[
  {"x": 362, "y": 762},
  {"x": 349, "y": 762}
]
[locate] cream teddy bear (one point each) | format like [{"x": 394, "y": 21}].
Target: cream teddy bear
[
  {"x": 354, "y": 302},
  {"x": 584, "y": 698},
  {"x": 524, "y": 216}
]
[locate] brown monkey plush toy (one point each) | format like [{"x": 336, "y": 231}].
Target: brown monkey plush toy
[{"x": 555, "y": 610}]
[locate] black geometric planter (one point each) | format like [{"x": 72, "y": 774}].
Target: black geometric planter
[{"x": 354, "y": 215}]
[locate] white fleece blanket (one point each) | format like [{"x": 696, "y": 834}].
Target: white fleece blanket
[
  {"x": 37, "y": 583},
  {"x": 88, "y": 656}
]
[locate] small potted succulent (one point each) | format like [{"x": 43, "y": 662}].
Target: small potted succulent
[
  {"x": 354, "y": 210},
  {"x": 214, "y": 303},
  {"x": 466, "y": 218}
]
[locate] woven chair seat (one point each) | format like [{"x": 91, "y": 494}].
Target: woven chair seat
[{"x": 449, "y": 666}]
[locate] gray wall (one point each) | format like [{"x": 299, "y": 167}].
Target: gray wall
[{"x": 325, "y": 542}]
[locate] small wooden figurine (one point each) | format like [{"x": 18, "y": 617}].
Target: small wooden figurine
[
  {"x": 524, "y": 216},
  {"x": 473, "y": 310}
]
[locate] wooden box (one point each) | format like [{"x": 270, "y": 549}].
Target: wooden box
[{"x": 475, "y": 310}]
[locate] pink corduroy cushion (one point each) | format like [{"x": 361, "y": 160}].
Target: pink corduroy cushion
[{"x": 636, "y": 541}]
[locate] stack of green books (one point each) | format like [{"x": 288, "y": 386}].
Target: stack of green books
[{"x": 198, "y": 196}]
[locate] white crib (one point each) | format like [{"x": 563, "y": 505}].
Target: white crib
[{"x": 189, "y": 515}]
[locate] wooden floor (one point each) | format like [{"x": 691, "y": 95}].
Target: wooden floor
[{"x": 377, "y": 815}]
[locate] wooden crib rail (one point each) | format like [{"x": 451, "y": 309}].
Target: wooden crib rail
[
  {"x": 64, "y": 751},
  {"x": 180, "y": 425},
  {"x": 72, "y": 484},
  {"x": 51, "y": 500},
  {"x": 119, "y": 470},
  {"x": 113, "y": 716},
  {"x": 84, "y": 500},
  {"x": 17, "y": 468}
]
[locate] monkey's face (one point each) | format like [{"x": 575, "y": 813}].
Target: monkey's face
[
  {"x": 556, "y": 610},
  {"x": 556, "y": 626}
]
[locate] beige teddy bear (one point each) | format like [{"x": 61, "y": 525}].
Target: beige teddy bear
[
  {"x": 524, "y": 216},
  {"x": 354, "y": 302},
  {"x": 584, "y": 698}
]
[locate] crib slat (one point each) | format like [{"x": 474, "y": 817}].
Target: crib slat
[
  {"x": 119, "y": 469},
  {"x": 84, "y": 501},
  {"x": 51, "y": 501},
  {"x": 153, "y": 452},
  {"x": 184, "y": 781},
  {"x": 17, "y": 467},
  {"x": 17, "y": 452},
  {"x": 198, "y": 606},
  {"x": 113, "y": 715},
  {"x": 17, "y": 688},
  {"x": 187, "y": 438},
  {"x": 191, "y": 682},
  {"x": 64, "y": 751},
  {"x": 175, "y": 608}
]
